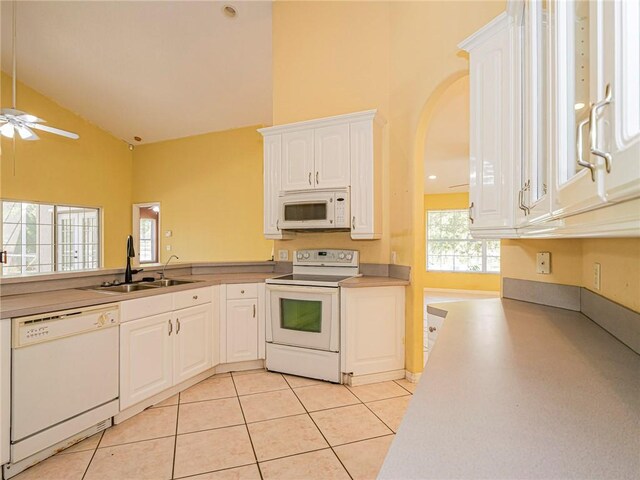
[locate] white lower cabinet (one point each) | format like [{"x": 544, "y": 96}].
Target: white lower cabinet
[
  {"x": 5, "y": 385},
  {"x": 192, "y": 342},
  {"x": 146, "y": 358},
  {"x": 163, "y": 350},
  {"x": 372, "y": 330},
  {"x": 242, "y": 322},
  {"x": 242, "y": 330}
]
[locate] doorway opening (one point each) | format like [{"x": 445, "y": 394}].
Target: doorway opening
[{"x": 146, "y": 232}]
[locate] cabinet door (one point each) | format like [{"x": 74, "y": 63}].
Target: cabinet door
[
  {"x": 272, "y": 187},
  {"x": 492, "y": 72},
  {"x": 366, "y": 190},
  {"x": 146, "y": 358},
  {"x": 621, "y": 119},
  {"x": 297, "y": 160},
  {"x": 192, "y": 342},
  {"x": 5, "y": 385},
  {"x": 331, "y": 158},
  {"x": 242, "y": 330},
  {"x": 577, "y": 43},
  {"x": 373, "y": 327},
  {"x": 535, "y": 192}
]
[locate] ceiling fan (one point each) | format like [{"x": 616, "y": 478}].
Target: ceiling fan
[{"x": 14, "y": 120}]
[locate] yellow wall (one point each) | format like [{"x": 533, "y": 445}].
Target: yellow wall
[
  {"x": 572, "y": 264},
  {"x": 93, "y": 171},
  {"x": 337, "y": 57},
  {"x": 457, "y": 281},
  {"x": 210, "y": 190}
]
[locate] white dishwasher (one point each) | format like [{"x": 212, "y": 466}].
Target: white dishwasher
[{"x": 64, "y": 376}]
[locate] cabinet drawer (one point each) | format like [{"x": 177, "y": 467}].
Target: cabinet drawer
[
  {"x": 145, "y": 307},
  {"x": 242, "y": 290},
  {"x": 191, "y": 298}
]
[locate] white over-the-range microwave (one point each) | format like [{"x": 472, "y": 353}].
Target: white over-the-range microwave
[{"x": 314, "y": 210}]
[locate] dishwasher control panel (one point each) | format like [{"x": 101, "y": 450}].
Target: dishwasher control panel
[{"x": 51, "y": 326}]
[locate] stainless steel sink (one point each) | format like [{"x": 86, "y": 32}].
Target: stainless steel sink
[
  {"x": 125, "y": 288},
  {"x": 170, "y": 282}
]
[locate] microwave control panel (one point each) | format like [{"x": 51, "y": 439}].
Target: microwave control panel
[
  {"x": 341, "y": 210},
  {"x": 326, "y": 257}
]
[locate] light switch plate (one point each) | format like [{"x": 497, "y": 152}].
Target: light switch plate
[
  {"x": 543, "y": 262},
  {"x": 168, "y": 248},
  {"x": 283, "y": 255},
  {"x": 168, "y": 233}
]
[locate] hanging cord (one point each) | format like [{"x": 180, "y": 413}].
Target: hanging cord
[{"x": 13, "y": 52}]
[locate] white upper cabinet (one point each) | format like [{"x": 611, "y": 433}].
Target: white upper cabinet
[
  {"x": 555, "y": 103},
  {"x": 297, "y": 160},
  {"x": 493, "y": 133},
  {"x": 621, "y": 118},
  {"x": 341, "y": 152},
  {"x": 578, "y": 44},
  {"x": 332, "y": 156}
]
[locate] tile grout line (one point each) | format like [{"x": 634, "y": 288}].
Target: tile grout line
[
  {"x": 175, "y": 439},
  {"x": 321, "y": 433},
  {"x": 216, "y": 471},
  {"x": 246, "y": 426},
  {"x": 406, "y": 389},
  {"x": 94, "y": 453}
]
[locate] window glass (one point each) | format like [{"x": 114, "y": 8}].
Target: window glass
[
  {"x": 147, "y": 240},
  {"x": 40, "y": 238},
  {"x": 451, "y": 248}
]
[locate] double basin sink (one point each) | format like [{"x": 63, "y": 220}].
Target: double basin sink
[{"x": 136, "y": 287}]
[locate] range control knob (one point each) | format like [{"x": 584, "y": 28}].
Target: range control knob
[
  {"x": 349, "y": 256},
  {"x": 299, "y": 256},
  {"x": 341, "y": 255},
  {"x": 306, "y": 254}
]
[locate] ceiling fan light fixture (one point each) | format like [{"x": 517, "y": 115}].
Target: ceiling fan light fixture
[
  {"x": 432, "y": 177},
  {"x": 7, "y": 130}
]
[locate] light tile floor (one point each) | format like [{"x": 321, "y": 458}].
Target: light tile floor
[{"x": 244, "y": 426}]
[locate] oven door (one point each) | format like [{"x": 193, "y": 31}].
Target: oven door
[
  {"x": 305, "y": 210},
  {"x": 307, "y": 317}
]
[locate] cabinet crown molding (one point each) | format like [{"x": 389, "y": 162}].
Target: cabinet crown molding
[
  {"x": 477, "y": 38},
  {"x": 323, "y": 122}
]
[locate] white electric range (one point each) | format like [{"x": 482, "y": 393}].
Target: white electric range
[{"x": 303, "y": 314}]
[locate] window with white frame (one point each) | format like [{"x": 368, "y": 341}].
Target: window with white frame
[
  {"x": 148, "y": 240},
  {"x": 450, "y": 247},
  {"x": 40, "y": 238}
]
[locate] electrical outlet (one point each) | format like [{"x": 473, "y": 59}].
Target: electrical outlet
[
  {"x": 596, "y": 276},
  {"x": 167, "y": 248},
  {"x": 543, "y": 262},
  {"x": 168, "y": 233},
  {"x": 283, "y": 255}
]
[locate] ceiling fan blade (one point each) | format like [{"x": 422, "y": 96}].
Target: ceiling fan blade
[
  {"x": 27, "y": 117},
  {"x": 55, "y": 131},
  {"x": 26, "y": 133},
  {"x": 460, "y": 185}
]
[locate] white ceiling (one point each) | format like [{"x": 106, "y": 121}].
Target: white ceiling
[
  {"x": 157, "y": 69},
  {"x": 447, "y": 143}
]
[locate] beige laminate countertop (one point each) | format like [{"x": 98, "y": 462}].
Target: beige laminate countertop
[
  {"x": 371, "y": 281},
  {"x": 42, "y": 302},
  {"x": 517, "y": 390}
]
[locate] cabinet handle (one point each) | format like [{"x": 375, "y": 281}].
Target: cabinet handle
[
  {"x": 520, "y": 204},
  {"x": 353, "y": 222},
  {"x": 470, "y": 213},
  {"x": 581, "y": 161},
  {"x": 432, "y": 329},
  {"x": 526, "y": 188},
  {"x": 309, "y": 178},
  {"x": 170, "y": 327},
  {"x": 254, "y": 310},
  {"x": 3, "y": 256},
  {"x": 177, "y": 326},
  {"x": 241, "y": 291},
  {"x": 278, "y": 224},
  {"x": 195, "y": 297},
  {"x": 593, "y": 125},
  {"x": 317, "y": 181}
]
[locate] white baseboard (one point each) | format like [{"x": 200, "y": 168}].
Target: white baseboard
[
  {"x": 412, "y": 377},
  {"x": 240, "y": 366},
  {"x": 354, "y": 381}
]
